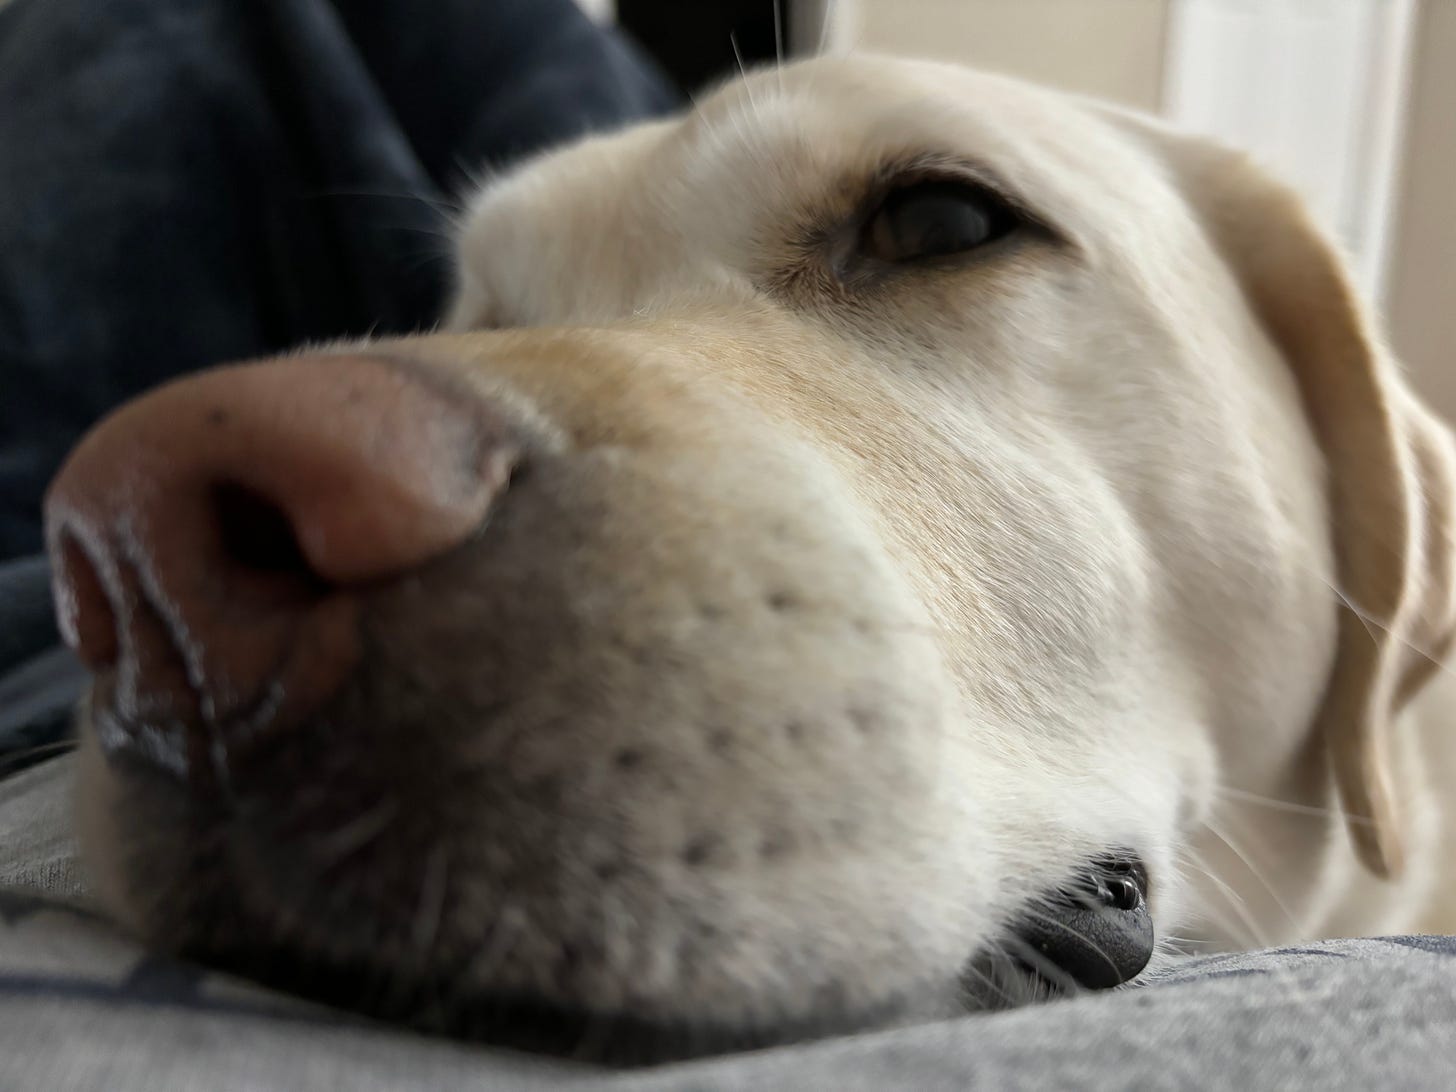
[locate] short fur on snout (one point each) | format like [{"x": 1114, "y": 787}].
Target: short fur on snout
[{"x": 842, "y": 611}]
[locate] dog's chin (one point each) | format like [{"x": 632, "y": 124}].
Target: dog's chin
[
  {"x": 193, "y": 888},
  {"x": 445, "y": 999},
  {"x": 442, "y": 1005},
  {"x": 454, "y": 995},
  {"x": 998, "y": 977}
]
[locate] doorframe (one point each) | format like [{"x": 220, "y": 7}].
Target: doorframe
[{"x": 1315, "y": 89}]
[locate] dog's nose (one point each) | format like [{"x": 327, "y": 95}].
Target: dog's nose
[{"x": 209, "y": 539}]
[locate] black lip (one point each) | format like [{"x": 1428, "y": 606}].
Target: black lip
[{"x": 1002, "y": 976}]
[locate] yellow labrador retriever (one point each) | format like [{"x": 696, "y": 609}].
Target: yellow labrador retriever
[{"x": 888, "y": 537}]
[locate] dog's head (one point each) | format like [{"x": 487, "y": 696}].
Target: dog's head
[{"x": 845, "y": 519}]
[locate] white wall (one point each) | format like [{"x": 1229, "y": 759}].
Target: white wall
[
  {"x": 1109, "y": 48},
  {"x": 1421, "y": 280}
]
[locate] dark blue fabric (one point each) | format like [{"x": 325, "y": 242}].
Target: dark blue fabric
[{"x": 185, "y": 182}]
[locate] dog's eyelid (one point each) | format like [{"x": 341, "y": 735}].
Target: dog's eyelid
[
  {"x": 836, "y": 229},
  {"x": 895, "y": 174}
]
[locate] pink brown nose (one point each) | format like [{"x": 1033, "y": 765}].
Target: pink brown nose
[{"x": 209, "y": 539}]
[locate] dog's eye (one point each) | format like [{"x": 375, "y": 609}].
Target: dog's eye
[{"x": 932, "y": 219}]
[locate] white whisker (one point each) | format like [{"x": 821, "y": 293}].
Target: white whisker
[
  {"x": 430, "y": 904},
  {"x": 1253, "y": 935},
  {"x": 999, "y": 956},
  {"x": 743, "y": 72},
  {"x": 1375, "y": 626},
  {"x": 356, "y": 834},
  {"x": 1255, "y": 871},
  {"x": 442, "y": 205},
  {"x": 778, "y": 21},
  {"x": 1241, "y": 796}
]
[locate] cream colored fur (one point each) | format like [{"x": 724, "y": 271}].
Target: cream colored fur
[
  {"x": 1076, "y": 531},
  {"x": 1154, "y": 213}
]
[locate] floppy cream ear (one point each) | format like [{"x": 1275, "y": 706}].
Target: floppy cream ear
[{"x": 1392, "y": 473}]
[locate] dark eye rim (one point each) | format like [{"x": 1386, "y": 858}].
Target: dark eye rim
[
  {"x": 851, "y": 263},
  {"x": 999, "y": 218}
]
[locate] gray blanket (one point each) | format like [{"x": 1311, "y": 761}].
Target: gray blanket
[{"x": 81, "y": 1007}]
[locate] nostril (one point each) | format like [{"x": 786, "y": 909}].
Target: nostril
[
  {"x": 255, "y": 532},
  {"x": 260, "y": 560},
  {"x": 1121, "y": 881},
  {"x": 1121, "y": 893},
  {"x": 88, "y": 620}
]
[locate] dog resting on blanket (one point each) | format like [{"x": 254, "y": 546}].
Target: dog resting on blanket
[{"x": 891, "y": 538}]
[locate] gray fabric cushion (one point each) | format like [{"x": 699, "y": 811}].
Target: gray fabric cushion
[
  {"x": 82, "y": 1007},
  {"x": 37, "y": 849}
]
